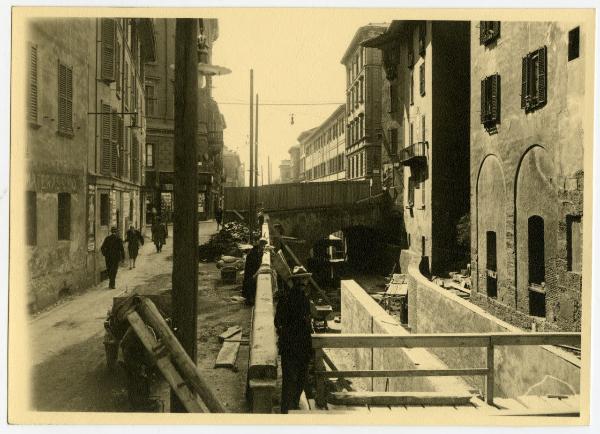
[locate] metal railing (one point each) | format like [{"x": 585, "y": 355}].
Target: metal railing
[
  {"x": 415, "y": 151},
  {"x": 440, "y": 340}
]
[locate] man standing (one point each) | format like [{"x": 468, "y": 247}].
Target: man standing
[
  {"x": 112, "y": 249},
  {"x": 159, "y": 234},
  {"x": 219, "y": 216},
  {"x": 253, "y": 261},
  {"x": 292, "y": 322}
]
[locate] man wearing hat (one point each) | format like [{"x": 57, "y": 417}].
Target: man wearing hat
[
  {"x": 112, "y": 249},
  {"x": 253, "y": 261},
  {"x": 292, "y": 322}
]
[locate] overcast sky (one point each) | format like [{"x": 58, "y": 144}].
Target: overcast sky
[{"x": 295, "y": 54}]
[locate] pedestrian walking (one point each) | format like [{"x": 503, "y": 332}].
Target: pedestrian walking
[
  {"x": 292, "y": 323},
  {"x": 159, "y": 234},
  {"x": 112, "y": 249},
  {"x": 219, "y": 216},
  {"x": 253, "y": 261},
  {"x": 134, "y": 239}
]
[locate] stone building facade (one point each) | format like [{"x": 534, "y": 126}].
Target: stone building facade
[
  {"x": 364, "y": 76},
  {"x": 325, "y": 149},
  {"x": 527, "y": 136},
  {"x": 159, "y": 85},
  {"x": 425, "y": 134},
  {"x": 294, "y": 152},
  {"x": 233, "y": 169},
  {"x": 84, "y": 141}
]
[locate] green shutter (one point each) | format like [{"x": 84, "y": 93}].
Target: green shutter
[
  {"x": 524, "y": 82},
  {"x": 108, "y": 35},
  {"x": 105, "y": 129},
  {"x": 542, "y": 77},
  {"x": 33, "y": 85}
]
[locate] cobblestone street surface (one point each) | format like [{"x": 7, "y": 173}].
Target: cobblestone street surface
[{"x": 67, "y": 353}]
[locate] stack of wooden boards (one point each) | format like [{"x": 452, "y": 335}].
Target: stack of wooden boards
[
  {"x": 176, "y": 366},
  {"x": 231, "y": 339}
]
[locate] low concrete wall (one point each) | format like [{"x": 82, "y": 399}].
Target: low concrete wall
[
  {"x": 361, "y": 314},
  {"x": 262, "y": 364},
  {"x": 519, "y": 370}
]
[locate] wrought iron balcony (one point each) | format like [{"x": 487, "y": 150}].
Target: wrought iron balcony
[{"x": 415, "y": 153}]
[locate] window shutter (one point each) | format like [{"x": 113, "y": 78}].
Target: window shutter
[
  {"x": 495, "y": 29},
  {"x": 120, "y": 143},
  {"x": 542, "y": 77},
  {"x": 482, "y": 28},
  {"x": 483, "y": 100},
  {"x": 69, "y": 99},
  {"x": 33, "y": 85},
  {"x": 108, "y": 49},
  {"x": 118, "y": 66},
  {"x": 106, "y": 151},
  {"x": 422, "y": 79},
  {"x": 114, "y": 151},
  {"x": 524, "y": 81},
  {"x": 61, "y": 97},
  {"x": 495, "y": 98}
]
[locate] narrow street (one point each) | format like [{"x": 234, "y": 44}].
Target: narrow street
[{"x": 68, "y": 363}]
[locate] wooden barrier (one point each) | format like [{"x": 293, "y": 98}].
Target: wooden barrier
[
  {"x": 484, "y": 340},
  {"x": 298, "y": 195},
  {"x": 262, "y": 364}
]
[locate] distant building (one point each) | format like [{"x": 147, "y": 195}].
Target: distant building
[
  {"x": 325, "y": 149},
  {"x": 85, "y": 136},
  {"x": 294, "y": 152},
  {"x": 302, "y": 153},
  {"x": 527, "y": 135},
  {"x": 233, "y": 169},
  {"x": 160, "y": 92},
  {"x": 285, "y": 172},
  {"x": 363, "y": 107},
  {"x": 425, "y": 122}
]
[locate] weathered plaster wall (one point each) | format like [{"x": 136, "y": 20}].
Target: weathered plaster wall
[
  {"x": 541, "y": 156},
  {"x": 518, "y": 369}
]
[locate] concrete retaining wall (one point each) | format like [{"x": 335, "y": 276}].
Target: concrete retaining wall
[
  {"x": 519, "y": 369},
  {"x": 262, "y": 364},
  {"x": 361, "y": 314}
]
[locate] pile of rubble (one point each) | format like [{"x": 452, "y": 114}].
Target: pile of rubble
[{"x": 230, "y": 241}]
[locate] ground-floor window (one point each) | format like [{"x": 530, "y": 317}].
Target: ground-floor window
[
  {"x": 31, "y": 217},
  {"x": 537, "y": 268},
  {"x": 64, "y": 216},
  {"x": 491, "y": 265},
  {"x": 104, "y": 209}
]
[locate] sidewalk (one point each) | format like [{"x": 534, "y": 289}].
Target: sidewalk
[{"x": 66, "y": 343}]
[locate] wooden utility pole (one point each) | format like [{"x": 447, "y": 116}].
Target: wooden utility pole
[
  {"x": 251, "y": 211},
  {"x": 256, "y": 148},
  {"x": 185, "y": 216},
  {"x": 269, "y": 169}
]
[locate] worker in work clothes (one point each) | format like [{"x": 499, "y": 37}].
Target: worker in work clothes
[
  {"x": 292, "y": 322},
  {"x": 113, "y": 252},
  {"x": 134, "y": 239},
  {"x": 253, "y": 261}
]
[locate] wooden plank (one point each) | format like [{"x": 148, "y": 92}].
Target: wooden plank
[
  {"x": 399, "y": 398},
  {"x": 509, "y": 404},
  {"x": 489, "y": 378},
  {"x": 403, "y": 373},
  {"x": 438, "y": 340},
  {"x": 229, "y": 333},
  {"x": 364, "y": 340},
  {"x": 181, "y": 359},
  {"x": 229, "y": 351},
  {"x": 163, "y": 362}
]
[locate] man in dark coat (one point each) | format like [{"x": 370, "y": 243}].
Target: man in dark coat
[
  {"x": 292, "y": 322},
  {"x": 253, "y": 261},
  {"x": 219, "y": 217},
  {"x": 159, "y": 234},
  {"x": 112, "y": 249},
  {"x": 134, "y": 239}
]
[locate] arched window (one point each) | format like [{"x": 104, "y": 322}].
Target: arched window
[{"x": 491, "y": 265}]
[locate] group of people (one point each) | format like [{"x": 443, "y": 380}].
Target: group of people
[{"x": 114, "y": 253}]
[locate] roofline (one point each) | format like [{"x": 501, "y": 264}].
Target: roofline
[
  {"x": 333, "y": 115},
  {"x": 355, "y": 40}
]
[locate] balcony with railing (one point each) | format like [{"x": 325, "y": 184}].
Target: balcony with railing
[{"x": 413, "y": 154}]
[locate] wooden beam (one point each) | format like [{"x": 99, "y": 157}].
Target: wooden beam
[
  {"x": 402, "y": 373},
  {"x": 187, "y": 367},
  {"x": 231, "y": 331},
  {"x": 399, "y": 398},
  {"x": 489, "y": 379},
  {"x": 163, "y": 362},
  {"x": 438, "y": 340},
  {"x": 311, "y": 280},
  {"x": 229, "y": 351}
]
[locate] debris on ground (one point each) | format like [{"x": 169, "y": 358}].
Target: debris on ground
[
  {"x": 229, "y": 351},
  {"x": 232, "y": 240}
]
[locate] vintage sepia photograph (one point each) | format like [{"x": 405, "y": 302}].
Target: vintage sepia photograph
[{"x": 300, "y": 216}]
